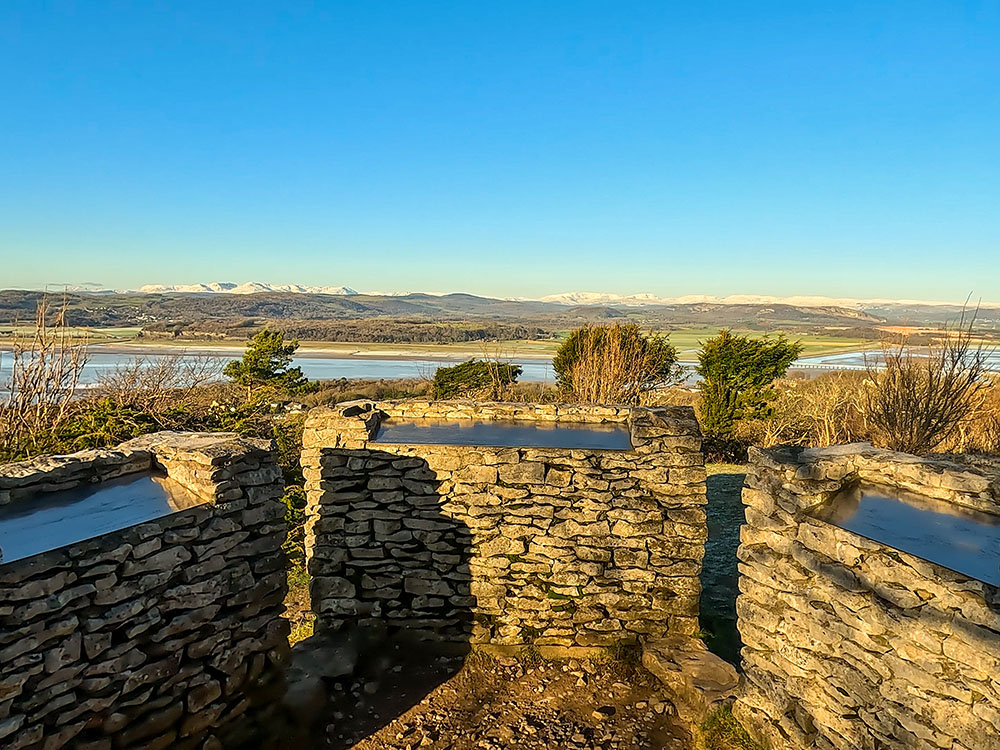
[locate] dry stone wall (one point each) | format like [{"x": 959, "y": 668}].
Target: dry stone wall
[
  {"x": 851, "y": 644},
  {"x": 544, "y": 546},
  {"x": 164, "y": 634}
]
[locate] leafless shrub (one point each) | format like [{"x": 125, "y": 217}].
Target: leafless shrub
[
  {"x": 499, "y": 360},
  {"x": 45, "y": 370},
  {"x": 157, "y": 384},
  {"x": 917, "y": 398},
  {"x": 614, "y": 366},
  {"x": 784, "y": 424},
  {"x": 825, "y": 410},
  {"x": 832, "y": 407}
]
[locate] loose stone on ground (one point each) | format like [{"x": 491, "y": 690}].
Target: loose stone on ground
[{"x": 506, "y": 702}]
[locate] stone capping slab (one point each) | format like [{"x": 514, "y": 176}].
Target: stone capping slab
[
  {"x": 358, "y": 421},
  {"x": 166, "y": 633},
  {"x": 829, "y": 469},
  {"x": 490, "y": 410},
  {"x": 191, "y": 459},
  {"x": 24, "y": 479}
]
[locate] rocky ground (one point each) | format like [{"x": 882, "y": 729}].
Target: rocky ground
[{"x": 457, "y": 702}]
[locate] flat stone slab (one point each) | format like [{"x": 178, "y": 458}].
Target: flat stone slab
[
  {"x": 699, "y": 681},
  {"x": 327, "y": 656},
  {"x": 965, "y": 541},
  {"x": 505, "y": 434},
  {"x": 55, "y": 519}
]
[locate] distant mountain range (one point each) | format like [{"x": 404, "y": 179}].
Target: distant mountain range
[
  {"x": 249, "y": 287},
  {"x": 575, "y": 299},
  {"x": 331, "y": 313},
  {"x": 603, "y": 298}
]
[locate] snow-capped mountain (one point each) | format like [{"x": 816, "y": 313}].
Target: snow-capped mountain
[
  {"x": 249, "y": 287},
  {"x": 604, "y": 298},
  {"x": 638, "y": 300},
  {"x": 85, "y": 287}
]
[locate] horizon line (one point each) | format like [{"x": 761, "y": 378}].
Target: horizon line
[{"x": 584, "y": 297}]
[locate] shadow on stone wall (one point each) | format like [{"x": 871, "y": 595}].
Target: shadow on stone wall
[{"x": 392, "y": 586}]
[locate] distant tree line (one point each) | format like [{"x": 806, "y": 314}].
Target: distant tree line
[{"x": 354, "y": 331}]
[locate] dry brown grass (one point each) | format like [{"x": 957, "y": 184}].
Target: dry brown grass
[
  {"x": 826, "y": 410},
  {"x": 534, "y": 393},
  {"x": 830, "y": 410},
  {"x": 337, "y": 391},
  {"x": 980, "y": 431}
]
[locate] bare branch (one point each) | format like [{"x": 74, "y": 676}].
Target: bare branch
[{"x": 45, "y": 372}]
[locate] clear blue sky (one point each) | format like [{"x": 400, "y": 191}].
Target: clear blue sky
[{"x": 511, "y": 148}]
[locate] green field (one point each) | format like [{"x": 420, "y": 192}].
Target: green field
[{"x": 687, "y": 341}]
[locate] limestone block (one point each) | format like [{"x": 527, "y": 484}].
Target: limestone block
[
  {"x": 698, "y": 680},
  {"x": 528, "y": 472},
  {"x": 849, "y": 643}
]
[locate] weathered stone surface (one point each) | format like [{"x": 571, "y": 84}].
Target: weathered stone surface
[
  {"x": 848, "y": 643},
  {"x": 118, "y": 641},
  {"x": 699, "y": 681},
  {"x": 506, "y": 545}
]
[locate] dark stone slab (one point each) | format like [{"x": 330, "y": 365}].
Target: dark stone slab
[
  {"x": 505, "y": 434},
  {"x": 965, "y": 541},
  {"x": 55, "y": 519}
]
